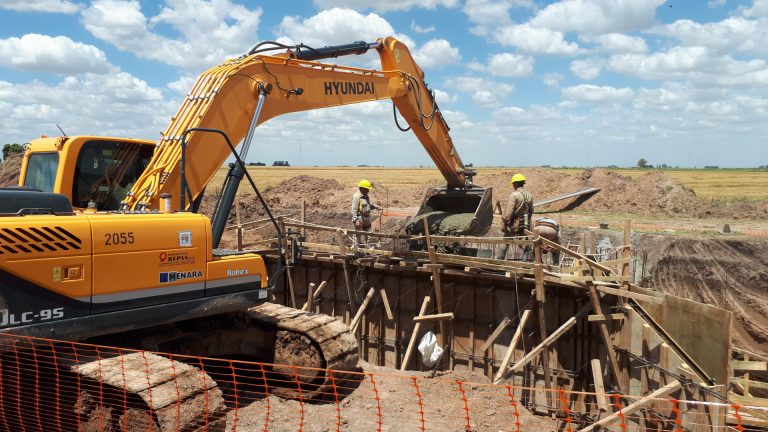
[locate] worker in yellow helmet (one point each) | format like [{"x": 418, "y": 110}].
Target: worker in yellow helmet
[
  {"x": 362, "y": 206},
  {"x": 518, "y": 215}
]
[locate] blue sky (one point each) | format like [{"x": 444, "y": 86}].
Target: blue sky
[{"x": 520, "y": 82}]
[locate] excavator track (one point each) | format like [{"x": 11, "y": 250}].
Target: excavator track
[{"x": 323, "y": 350}]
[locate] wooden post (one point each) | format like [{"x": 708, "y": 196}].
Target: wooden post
[
  {"x": 625, "y": 255},
  {"x": 551, "y": 339},
  {"x": 506, "y": 322},
  {"x": 310, "y": 297},
  {"x": 289, "y": 272},
  {"x": 597, "y": 376},
  {"x": 512, "y": 345},
  {"x": 320, "y": 289},
  {"x": 414, "y": 335},
  {"x": 385, "y": 300},
  {"x": 435, "y": 279},
  {"x": 359, "y": 314},
  {"x": 605, "y": 336},
  {"x": 435, "y": 317},
  {"x": 540, "y": 300},
  {"x": 303, "y": 217},
  {"x": 345, "y": 266},
  {"x": 635, "y": 406}
]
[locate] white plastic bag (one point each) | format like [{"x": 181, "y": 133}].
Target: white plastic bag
[{"x": 430, "y": 352}]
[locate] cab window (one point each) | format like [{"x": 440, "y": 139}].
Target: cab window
[
  {"x": 41, "y": 171},
  {"x": 106, "y": 171}
]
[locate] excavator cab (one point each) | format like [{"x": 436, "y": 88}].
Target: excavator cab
[{"x": 85, "y": 169}]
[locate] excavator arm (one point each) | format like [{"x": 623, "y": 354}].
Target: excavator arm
[{"x": 241, "y": 93}]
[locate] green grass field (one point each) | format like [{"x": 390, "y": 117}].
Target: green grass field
[{"x": 709, "y": 185}]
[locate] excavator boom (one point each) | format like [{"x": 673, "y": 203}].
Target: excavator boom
[{"x": 242, "y": 93}]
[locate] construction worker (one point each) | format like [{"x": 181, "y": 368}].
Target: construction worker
[
  {"x": 518, "y": 215},
  {"x": 361, "y": 208}
]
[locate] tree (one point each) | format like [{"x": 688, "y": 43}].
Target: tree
[
  {"x": 642, "y": 163},
  {"x": 10, "y": 149}
]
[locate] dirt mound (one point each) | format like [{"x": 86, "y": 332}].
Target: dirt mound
[
  {"x": 653, "y": 193},
  {"x": 9, "y": 171},
  {"x": 728, "y": 273}
]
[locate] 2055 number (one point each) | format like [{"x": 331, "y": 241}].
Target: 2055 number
[{"x": 118, "y": 238}]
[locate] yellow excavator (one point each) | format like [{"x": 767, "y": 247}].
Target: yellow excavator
[{"x": 102, "y": 236}]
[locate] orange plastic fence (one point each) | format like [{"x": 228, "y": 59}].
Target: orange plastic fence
[{"x": 51, "y": 385}]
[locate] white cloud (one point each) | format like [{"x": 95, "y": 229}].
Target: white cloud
[
  {"x": 484, "y": 92},
  {"x": 116, "y": 104},
  {"x": 210, "y": 31},
  {"x": 336, "y": 26},
  {"x": 436, "y": 53},
  {"x": 759, "y": 8},
  {"x": 715, "y": 3},
  {"x": 587, "y": 69},
  {"x": 694, "y": 64},
  {"x": 510, "y": 65},
  {"x": 598, "y": 16},
  {"x": 536, "y": 40},
  {"x": 598, "y": 94},
  {"x": 386, "y": 6},
  {"x": 731, "y": 34},
  {"x": 183, "y": 85},
  {"x": 443, "y": 97},
  {"x": 490, "y": 14},
  {"x": 617, "y": 43},
  {"x": 419, "y": 29},
  {"x": 57, "y": 54},
  {"x": 552, "y": 80},
  {"x": 55, "y": 6}
]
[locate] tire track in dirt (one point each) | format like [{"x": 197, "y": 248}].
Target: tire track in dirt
[{"x": 730, "y": 274}]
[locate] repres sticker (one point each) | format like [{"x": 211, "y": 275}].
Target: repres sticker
[{"x": 185, "y": 238}]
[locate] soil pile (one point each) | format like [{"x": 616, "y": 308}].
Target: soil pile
[
  {"x": 728, "y": 273},
  {"x": 653, "y": 193},
  {"x": 9, "y": 171}
]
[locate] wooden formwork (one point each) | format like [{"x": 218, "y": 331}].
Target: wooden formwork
[{"x": 585, "y": 327}]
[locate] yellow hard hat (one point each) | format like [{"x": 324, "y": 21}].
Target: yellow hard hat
[
  {"x": 365, "y": 184},
  {"x": 518, "y": 178}
]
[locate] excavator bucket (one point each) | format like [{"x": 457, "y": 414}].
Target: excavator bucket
[{"x": 454, "y": 212}]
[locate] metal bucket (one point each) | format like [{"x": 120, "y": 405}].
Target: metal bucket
[{"x": 454, "y": 212}]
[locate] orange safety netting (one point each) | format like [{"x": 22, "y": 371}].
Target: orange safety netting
[{"x": 52, "y": 385}]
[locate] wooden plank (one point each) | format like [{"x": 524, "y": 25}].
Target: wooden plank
[
  {"x": 310, "y": 296},
  {"x": 747, "y": 401},
  {"x": 601, "y": 278},
  {"x": 512, "y": 345},
  {"x": 435, "y": 317},
  {"x": 605, "y": 335},
  {"x": 359, "y": 314},
  {"x": 748, "y": 365},
  {"x": 597, "y": 377},
  {"x": 387, "y": 308},
  {"x": 635, "y": 406},
  {"x": 552, "y": 338},
  {"x": 414, "y": 335},
  {"x": 541, "y": 298},
  {"x": 749, "y": 383},
  {"x": 629, "y": 294},
  {"x": 506, "y": 322},
  {"x": 345, "y": 268},
  {"x": 606, "y": 317},
  {"x": 436, "y": 281}
]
